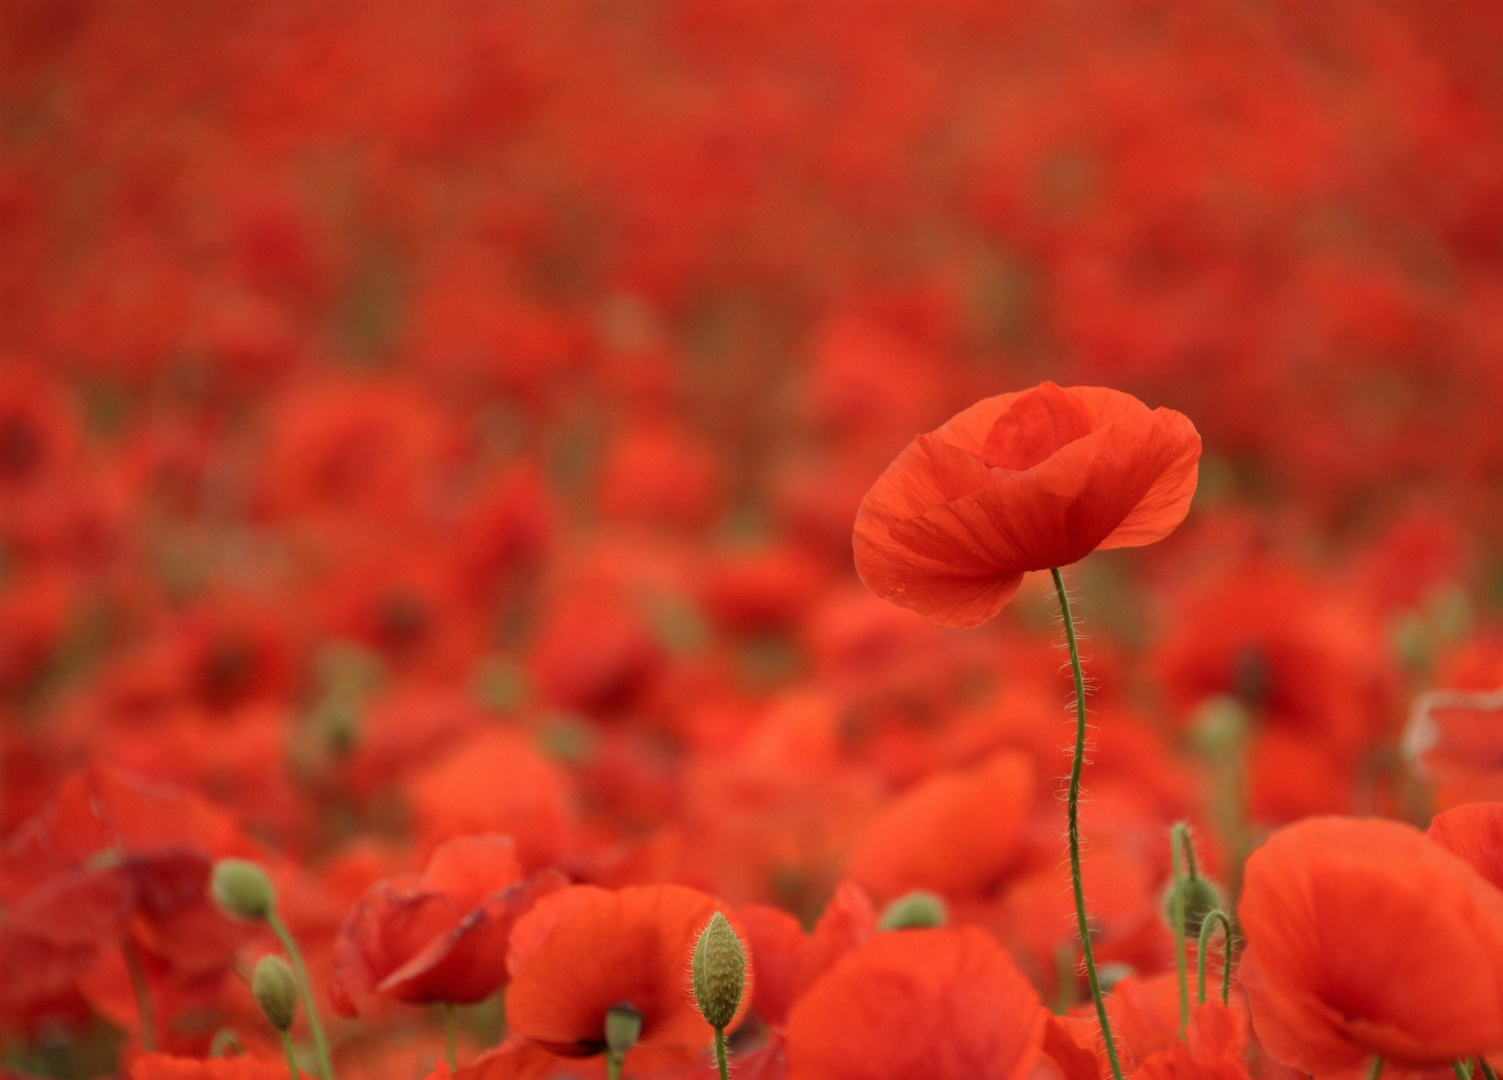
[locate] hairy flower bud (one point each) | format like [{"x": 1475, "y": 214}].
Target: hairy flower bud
[
  {"x": 242, "y": 889},
  {"x": 275, "y": 991},
  {"x": 719, "y": 969},
  {"x": 1200, "y": 899},
  {"x": 914, "y": 911}
]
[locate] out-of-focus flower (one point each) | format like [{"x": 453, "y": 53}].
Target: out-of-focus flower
[
  {"x": 947, "y": 1004},
  {"x": 1363, "y": 939},
  {"x": 583, "y": 951},
  {"x": 439, "y": 937}
]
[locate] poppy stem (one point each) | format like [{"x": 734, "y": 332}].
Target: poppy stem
[
  {"x": 1077, "y": 764},
  {"x": 720, "y": 1062},
  {"x": 145, "y": 1009},
  {"x": 1179, "y": 838},
  {"x": 1183, "y": 832},
  {"x": 305, "y": 988},
  {"x": 613, "y": 1063},
  {"x": 291, "y": 1057},
  {"x": 1064, "y": 970},
  {"x": 1212, "y": 917},
  {"x": 1462, "y": 1069},
  {"x": 1487, "y": 1070},
  {"x": 451, "y": 1034},
  {"x": 1372, "y": 1074}
]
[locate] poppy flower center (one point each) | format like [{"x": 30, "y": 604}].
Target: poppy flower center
[{"x": 1034, "y": 427}]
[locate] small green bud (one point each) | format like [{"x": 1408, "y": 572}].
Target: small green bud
[
  {"x": 719, "y": 969},
  {"x": 275, "y": 991},
  {"x": 242, "y": 889},
  {"x": 225, "y": 1044},
  {"x": 915, "y": 911},
  {"x": 623, "y": 1024},
  {"x": 1413, "y": 642},
  {"x": 1200, "y": 897},
  {"x": 1220, "y": 727}
]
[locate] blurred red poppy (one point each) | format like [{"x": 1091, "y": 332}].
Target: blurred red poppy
[
  {"x": 956, "y": 833},
  {"x": 941, "y": 1004},
  {"x": 585, "y": 950},
  {"x": 170, "y": 1067},
  {"x": 439, "y": 937},
  {"x": 1475, "y": 833},
  {"x": 1364, "y": 938},
  {"x": 1019, "y": 482}
]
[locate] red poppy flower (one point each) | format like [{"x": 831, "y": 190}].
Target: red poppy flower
[
  {"x": 848, "y": 921},
  {"x": 171, "y": 1067},
  {"x": 439, "y": 937},
  {"x": 585, "y": 950},
  {"x": 1364, "y": 938},
  {"x": 1019, "y": 482},
  {"x": 776, "y": 940},
  {"x": 957, "y": 833},
  {"x": 1475, "y": 833},
  {"x": 494, "y": 781},
  {"x": 113, "y": 865},
  {"x": 942, "y": 1004},
  {"x": 1145, "y": 1023}
]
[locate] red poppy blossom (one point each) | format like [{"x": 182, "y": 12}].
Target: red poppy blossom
[
  {"x": 957, "y": 833},
  {"x": 1020, "y": 482},
  {"x": 585, "y": 950},
  {"x": 1475, "y": 833},
  {"x": 942, "y": 1004},
  {"x": 439, "y": 937},
  {"x": 171, "y": 1067},
  {"x": 1364, "y": 938}
]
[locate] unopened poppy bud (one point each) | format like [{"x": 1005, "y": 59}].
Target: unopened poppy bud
[
  {"x": 1200, "y": 899},
  {"x": 242, "y": 889},
  {"x": 225, "y": 1044},
  {"x": 623, "y": 1024},
  {"x": 275, "y": 991},
  {"x": 915, "y": 911},
  {"x": 1220, "y": 726},
  {"x": 719, "y": 969}
]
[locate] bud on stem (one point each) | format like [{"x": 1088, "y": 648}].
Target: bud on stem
[
  {"x": 623, "y": 1026},
  {"x": 719, "y": 969},
  {"x": 275, "y": 990}
]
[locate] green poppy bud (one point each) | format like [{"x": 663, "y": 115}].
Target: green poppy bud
[
  {"x": 623, "y": 1025},
  {"x": 915, "y": 911},
  {"x": 275, "y": 990},
  {"x": 719, "y": 970},
  {"x": 225, "y": 1044},
  {"x": 1200, "y": 898},
  {"x": 242, "y": 889}
]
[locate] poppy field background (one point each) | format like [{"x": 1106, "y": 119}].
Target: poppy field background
[{"x": 430, "y": 441}]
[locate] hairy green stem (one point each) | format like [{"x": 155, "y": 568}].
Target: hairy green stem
[
  {"x": 720, "y": 1062},
  {"x": 1077, "y": 765},
  {"x": 305, "y": 987},
  {"x": 1213, "y": 917}
]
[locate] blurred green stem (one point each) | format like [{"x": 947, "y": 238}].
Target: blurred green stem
[{"x": 305, "y": 986}]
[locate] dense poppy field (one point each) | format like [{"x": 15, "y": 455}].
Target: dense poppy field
[{"x": 831, "y": 541}]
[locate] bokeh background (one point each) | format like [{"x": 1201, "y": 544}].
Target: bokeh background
[{"x": 418, "y": 418}]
